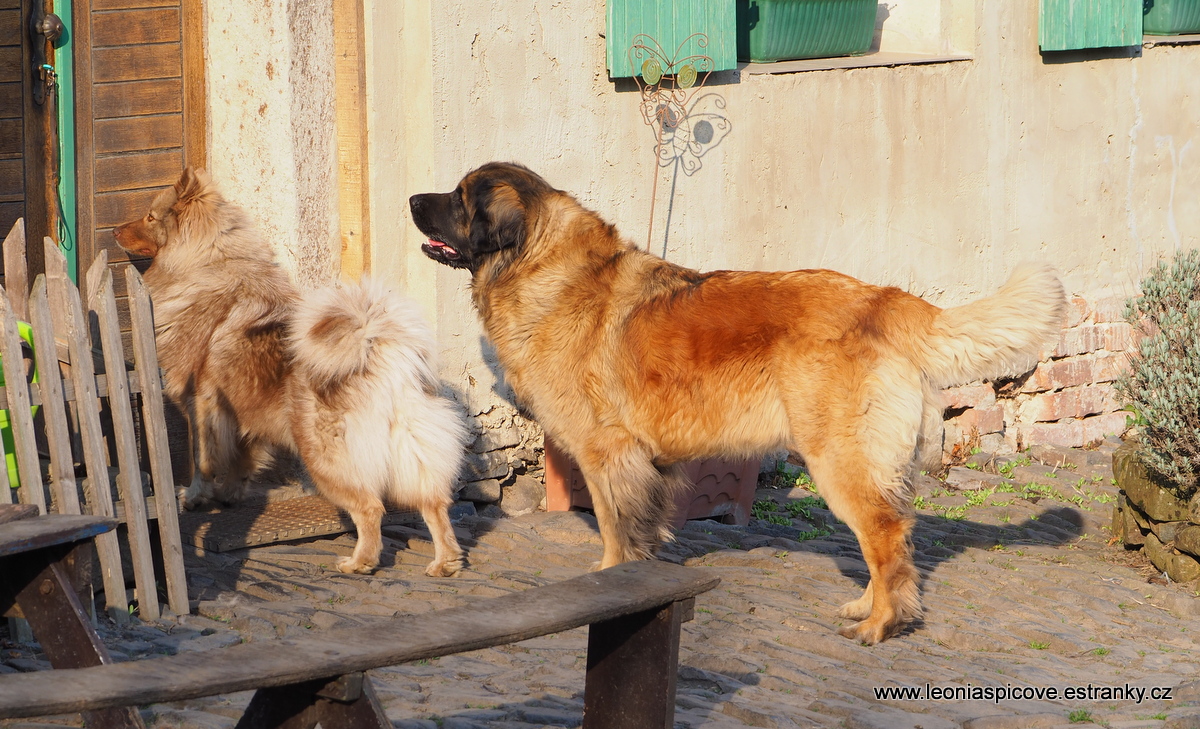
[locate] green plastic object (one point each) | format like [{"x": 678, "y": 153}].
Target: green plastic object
[
  {"x": 6, "y": 435},
  {"x": 1171, "y": 17},
  {"x": 673, "y": 25},
  {"x": 784, "y": 30},
  {"x": 1066, "y": 25}
]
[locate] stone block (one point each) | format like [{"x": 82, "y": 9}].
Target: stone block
[
  {"x": 968, "y": 396},
  {"x": 1144, "y": 491},
  {"x": 1165, "y": 530},
  {"x": 1099, "y": 427},
  {"x": 1073, "y": 402},
  {"x": 984, "y": 420},
  {"x": 1078, "y": 312},
  {"x": 1120, "y": 337},
  {"x": 1109, "y": 309},
  {"x": 523, "y": 496},
  {"x": 1082, "y": 339},
  {"x": 486, "y": 491},
  {"x": 1074, "y": 371},
  {"x": 1179, "y": 567},
  {"x": 1187, "y": 539}
]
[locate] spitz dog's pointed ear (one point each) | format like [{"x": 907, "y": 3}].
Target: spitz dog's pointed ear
[{"x": 191, "y": 185}]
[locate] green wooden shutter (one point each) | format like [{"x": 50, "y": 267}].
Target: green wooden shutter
[
  {"x": 670, "y": 22},
  {"x": 1072, "y": 24}
]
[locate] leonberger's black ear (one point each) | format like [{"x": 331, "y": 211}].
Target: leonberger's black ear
[{"x": 499, "y": 220}]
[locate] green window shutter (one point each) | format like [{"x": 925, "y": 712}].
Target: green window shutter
[
  {"x": 1072, "y": 24},
  {"x": 670, "y": 22}
]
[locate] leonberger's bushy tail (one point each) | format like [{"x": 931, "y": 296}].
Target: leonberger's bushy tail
[
  {"x": 342, "y": 332},
  {"x": 1000, "y": 335}
]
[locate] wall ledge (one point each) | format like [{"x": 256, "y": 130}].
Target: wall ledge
[{"x": 878, "y": 58}]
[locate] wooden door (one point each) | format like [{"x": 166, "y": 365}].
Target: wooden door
[
  {"x": 140, "y": 111},
  {"x": 28, "y": 175}
]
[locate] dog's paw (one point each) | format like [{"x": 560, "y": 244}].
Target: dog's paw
[
  {"x": 188, "y": 498},
  {"x": 444, "y": 569},
  {"x": 352, "y": 566},
  {"x": 869, "y": 632},
  {"x": 856, "y": 609}
]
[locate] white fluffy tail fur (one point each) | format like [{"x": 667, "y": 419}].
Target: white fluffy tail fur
[
  {"x": 340, "y": 332},
  {"x": 1000, "y": 335}
]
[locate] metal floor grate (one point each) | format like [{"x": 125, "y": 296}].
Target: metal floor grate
[{"x": 259, "y": 522}]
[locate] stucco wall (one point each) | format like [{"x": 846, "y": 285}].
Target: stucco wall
[
  {"x": 937, "y": 178},
  {"x": 271, "y": 125}
]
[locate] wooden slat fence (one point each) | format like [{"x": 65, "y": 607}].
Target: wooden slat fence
[{"x": 96, "y": 376}]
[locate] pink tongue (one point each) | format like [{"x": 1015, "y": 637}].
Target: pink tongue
[{"x": 439, "y": 244}]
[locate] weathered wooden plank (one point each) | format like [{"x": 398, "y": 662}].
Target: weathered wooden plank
[
  {"x": 16, "y": 276},
  {"x": 12, "y": 512},
  {"x": 632, "y": 661},
  {"x": 97, "y": 495},
  {"x": 19, "y": 417},
  {"x": 24, "y": 535},
  {"x": 126, "y": 4},
  {"x": 115, "y": 208},
  {"x": 100, "y": 389},
  {"x": 58, "y": 432},
  {"x": 161, "y": 96},
  {"x": 350, "y": 105},
  {"x": 136, "y": 171},
  {"x": 6, "y": 494},
  {"x": 12, "y": 137},
  {"x": 10, "y": 63},
  {"x": 157, "y": 445},
  {"x": 129, "y": 475},
  {"x": 135, "y": 27},
  {"x": 137, "y": 63},
  {"x": 10, "y": 213},
  {"x": 12, "y": 177},
  {"x": 160, "y": 131},
  {"x": 195, "y": 89},
  {"x": 628, "y": 588},
  {"x": 10, "y": 100},
  {"x": 10, "y": 27}
]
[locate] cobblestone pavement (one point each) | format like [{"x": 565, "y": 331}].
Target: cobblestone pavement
[{"x": 1021, "y": 590}]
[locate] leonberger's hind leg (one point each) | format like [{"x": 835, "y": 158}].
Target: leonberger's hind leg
[
  {"x": 633, "y": 501},
  {"x": 215, "y": 449},
  {"x": 883, "y": 528}
]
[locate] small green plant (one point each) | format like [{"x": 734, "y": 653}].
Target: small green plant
[
  {"x": 1080, "y": 716},
  {"x": 1038, "y": 645},
  {"x": 816, "y": 533},
  {"x": 1162, "y": 385},
  {"x": 802, "y": 508},
  {"x": 1101, "y": 651}
]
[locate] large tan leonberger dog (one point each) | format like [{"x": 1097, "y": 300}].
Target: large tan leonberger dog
[
  {"x": 634, "y": 364},
  {"x": 344, "y": 376}
]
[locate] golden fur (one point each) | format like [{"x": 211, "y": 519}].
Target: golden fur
[
  {"x": 345, "y": 377},
  {"x": 634, "y": 364}
]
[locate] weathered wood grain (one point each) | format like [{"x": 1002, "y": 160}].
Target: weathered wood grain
[
  {"x": 129, "y": 479},
  {"x": 628, "y": 588}
]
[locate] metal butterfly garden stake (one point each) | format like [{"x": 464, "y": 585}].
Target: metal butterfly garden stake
[{"x": 687, "y": 122}]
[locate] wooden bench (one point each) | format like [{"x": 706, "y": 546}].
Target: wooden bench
[{"x": 634, "y": 612}]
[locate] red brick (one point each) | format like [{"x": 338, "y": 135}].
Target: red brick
[
  {"x": 1104, "y": 425},
  {"x": 1074, "y": 433},
  {"x": 1120, "y": 337},
  {"x": 1080, "y": 340},
  {"x": 1076, "y": 371},
  {"x": 968, "y": 396},
  {"x": 1106, "y": 368},
  {"x": 1077, "y": 311},
  {"x": 1074, "y": 402},
  {"x": 1068, "y": 433},
  {"x": 1110, "y": 309},
  {"x": 985, "y": 420}
]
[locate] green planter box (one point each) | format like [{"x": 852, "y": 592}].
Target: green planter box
[
  {"x": 781, "y": 30},
  {"x": 1171, "y": 17},
  {"x": 1066, "y": 25},
  {"x": 673, "y": 25}
]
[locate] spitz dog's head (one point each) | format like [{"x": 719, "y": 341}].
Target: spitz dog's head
[{"x": 191, "y": 203}]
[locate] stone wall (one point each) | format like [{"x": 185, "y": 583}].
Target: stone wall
[{"x": 1068, "y": 400}]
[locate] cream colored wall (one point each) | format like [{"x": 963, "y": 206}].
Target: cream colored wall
[
  {"x": 271, "y": 125},
  {"x": 937, "y": 178}
]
